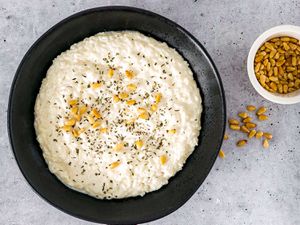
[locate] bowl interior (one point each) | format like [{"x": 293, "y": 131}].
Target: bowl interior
[
  {"x": 279, "y": 31},
  {"x": 26, "y": 86}
]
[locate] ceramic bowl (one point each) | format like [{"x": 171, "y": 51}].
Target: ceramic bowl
[{"x": 278, "y": 31}]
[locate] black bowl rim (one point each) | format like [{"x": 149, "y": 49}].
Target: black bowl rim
[{"x": 100, "y": 9}]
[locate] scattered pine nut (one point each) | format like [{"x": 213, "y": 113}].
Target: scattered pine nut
[
  {"x": 74, "y": 110},
  {"x": 234, "y": 127},
  {"x": 226, "y": 137},
  {"x": 96, "y": 124},
  {"x": 131, "y": 102},
  {"x": 77, "y": 117},
  {"x": 139, "y": 144},
  {"x": 243, "y": 115},
  {"x": 142, "y": 110},
  {"x": 154, "y": 107},
  {"x": 67, "y": 128},
  {"x": 247, "y": 120},
  {"x": 82, "y": 110},
  {"x": 115, "y": 164},
  {"x": 252, "y": 133},
  {"x": 144, "y": 116},
  {"x": 266, "y": 143},
  {"x": 245, "y": 129},
  {"x": 129, "y": 74},
  {"x": 70, "y": 122},
  {"x": 110, "y": 72},
  {"x": 251, "y": 108},
  {"x": 96, "y": 85},
  {"x": 233, "y": 122},
  {"x": 123, "y": 95},
  {"x": 268, "y": 135},
  {"x": 221, "y": 154},
  {"x": 163, "y": 159},
  {"x": 95, "y": 113},
  {"x": 119, "y": 146},
  {"x": 131, "y": 87},
  {"x": 103, "y": 130},
  {"x": 259, "y": 134},
  {"x": 172, "y": 131},
  {"x": 241, "y": 143},
  {"x": 263, "y": 117},
  {"x": 116, "y": 98},
  {"x": 73, "y": 102},
  {"x": 158, "y": 97},
  {"x": 250, "y": 125},
  {"x": 75, "y": 133},
  {"x": 261, "y": 110}
]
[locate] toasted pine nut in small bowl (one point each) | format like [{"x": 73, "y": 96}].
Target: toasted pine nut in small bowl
[{"x": 273, "y": 64}]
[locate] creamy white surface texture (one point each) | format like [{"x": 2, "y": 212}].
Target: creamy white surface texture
[{"x": 117, "y": 115}]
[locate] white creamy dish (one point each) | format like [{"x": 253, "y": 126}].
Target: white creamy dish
[{"x": 117, "y": 115}]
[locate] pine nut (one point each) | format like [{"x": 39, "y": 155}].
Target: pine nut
[
  {"x": 251, "y": 107},
  {"x": 250, "y": 125},
  {"x": 233, "y": 122},
  {"x": 244, "y": 129},
  {"x": 261, "y": 110},
  {"x": 221, "y": 154},
  {"x": 241, "y": 143},
  {"x": 252, "y": 133},
  {"x": 247, "y": 120},
  {"x": 226, "y": 137},
  {"x": 263, "y": 117},
  {"x": 235, "y": 127},
  {"x": 259, "y": 134},
  {"x": 268, "y": 135},
  {"x": 243, "y": 115},
  {"x": 266, "y": 143}
]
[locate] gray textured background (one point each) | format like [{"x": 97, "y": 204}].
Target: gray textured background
[{"x": 250, "y": 186}]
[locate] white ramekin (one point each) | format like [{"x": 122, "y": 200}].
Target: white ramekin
[{"x": 283, "y": 30}]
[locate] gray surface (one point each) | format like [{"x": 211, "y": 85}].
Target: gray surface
[{"x": 250, "y": 186}]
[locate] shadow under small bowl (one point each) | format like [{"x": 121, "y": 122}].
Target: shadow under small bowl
[
  {"x": 278, "y": 31},
  {"x": 28, "y": 80}
]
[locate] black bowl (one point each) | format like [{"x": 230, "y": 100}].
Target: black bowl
[{"x": 26, "y": 85}]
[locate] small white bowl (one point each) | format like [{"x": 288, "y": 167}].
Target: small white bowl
[{"x": 283, "y": 30}]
